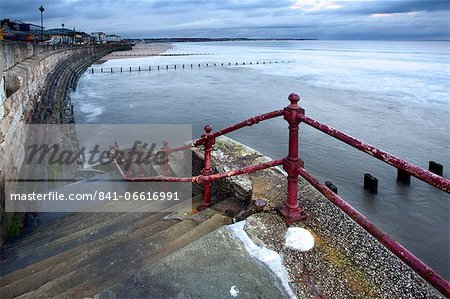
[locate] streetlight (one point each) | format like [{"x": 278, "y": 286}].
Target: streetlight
[
  {"x": 62, "y": 33},
  {"x": 41, "y": 9}
]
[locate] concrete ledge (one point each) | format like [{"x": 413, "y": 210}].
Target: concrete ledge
[{"x": 346, "y": 261}]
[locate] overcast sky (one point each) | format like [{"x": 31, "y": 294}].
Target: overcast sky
[{"x": 323, "y": 19}]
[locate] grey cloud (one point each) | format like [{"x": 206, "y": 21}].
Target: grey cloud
[
  {"x": 395, "y": 6},
  {"x": 237, "y": 18}
]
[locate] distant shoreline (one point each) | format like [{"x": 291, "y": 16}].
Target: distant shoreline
[{"x": 193, "y": 40}]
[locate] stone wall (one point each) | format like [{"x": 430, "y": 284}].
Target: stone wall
[{"x": 34, "y": 80}]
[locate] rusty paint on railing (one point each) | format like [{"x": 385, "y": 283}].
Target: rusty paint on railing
[
  {"x": 396, "y": 248},
  {"x": 246, "y": 123},
  {"x": 200, "y": 178},
  {"x": 416, "y": 171}
]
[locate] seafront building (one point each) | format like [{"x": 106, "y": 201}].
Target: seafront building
[
  {"x": 99, "y": 37},
  {"x": 112, "y": 38},
  {"x": 67, "y": 36},
  {"x": 21, "y": 31}
]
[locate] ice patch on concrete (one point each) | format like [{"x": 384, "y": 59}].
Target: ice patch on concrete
[
  {"x": 268, "y": 257},
  {"x": 234, "y": 291},
  {"x": 299, "y": 239}
]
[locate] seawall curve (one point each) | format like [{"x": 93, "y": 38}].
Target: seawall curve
[{"x": 34, "y": 83}]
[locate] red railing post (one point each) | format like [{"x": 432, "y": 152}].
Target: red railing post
[
  {"x": 207, "y": 170},
  {"x": 165, "y": 165},
  {"x": 292, "y": 114}
]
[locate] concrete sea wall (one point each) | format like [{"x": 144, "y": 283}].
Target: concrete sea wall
[{"x": 34, "y": 83}]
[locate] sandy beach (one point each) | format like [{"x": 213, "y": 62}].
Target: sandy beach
[{"x": 140, "y": 50}]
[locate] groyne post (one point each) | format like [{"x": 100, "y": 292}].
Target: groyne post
[
  {"x": 370, "y": 183},
  {"x": 207, "y": 170},
  {"x": 403, "y": 177},
  {"x": 436, "y": 168},
  {"x": 291, "y": 164},
  {"x": 331, "y": 186}
]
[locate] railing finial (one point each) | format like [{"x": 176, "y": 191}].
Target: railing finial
[
  {"x": 293, "y": 98},
  {"x": 208, "y": 128}
]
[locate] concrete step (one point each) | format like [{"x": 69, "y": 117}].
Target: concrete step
[
  {"x": 27, "y": 255},
  {"x": 80, "y": 254},
  {"x": 65, "y": 225},
  {"x": 46, "y": 274},
  {"x": 117, "y": 254},
  {"x": 214, "y": 266},
  {"x": 108, "y": 263},
  {"x": 173, "y": 245},
  {"x": 44, "y": 234},
  {"x": 143, "y": 221}
]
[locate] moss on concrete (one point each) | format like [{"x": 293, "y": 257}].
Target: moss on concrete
[
  {"x": 356, "y": 279},
  {"x": 15, "y": 225}
]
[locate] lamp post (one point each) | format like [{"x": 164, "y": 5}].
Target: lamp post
[
  {"x": 62, "y": 33},
  {"x": 41, "y": 9}
]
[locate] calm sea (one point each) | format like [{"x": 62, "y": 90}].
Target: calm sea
[{"x": 394, "y": 95}]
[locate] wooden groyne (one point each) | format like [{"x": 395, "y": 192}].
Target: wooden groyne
[{"x": 179, "y": 66}]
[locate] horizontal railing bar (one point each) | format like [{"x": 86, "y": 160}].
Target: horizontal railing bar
[
  {"x": 246, "y": 123},
  {"x": 414, "y": 170},
  {"x": 396, "y": 248},
  {"x": 202, "y": 178},
  {"x": 244, "y": 170}
]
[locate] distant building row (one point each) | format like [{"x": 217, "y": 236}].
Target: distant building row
[{"x": 20, "y": 31}]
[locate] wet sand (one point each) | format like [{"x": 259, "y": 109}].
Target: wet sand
[{"x": 140, "y": 50}]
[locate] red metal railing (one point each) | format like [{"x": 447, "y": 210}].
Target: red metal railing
[{"x": 293, "y": 166}]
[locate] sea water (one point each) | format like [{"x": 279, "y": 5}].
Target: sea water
[{"x": 394, "y": 95}]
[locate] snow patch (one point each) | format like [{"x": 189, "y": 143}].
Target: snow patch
[
  {"x": 299, "y": 239},
  {"x": 234, "y": 291},
  {"x": 267, "y": 256}
]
